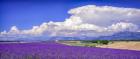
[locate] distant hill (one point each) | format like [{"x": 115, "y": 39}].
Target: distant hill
[
  {"x": 116, "y": 36},
  {"x": 122, "y": 36}
]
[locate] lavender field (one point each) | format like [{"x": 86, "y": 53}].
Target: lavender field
[{"x": 60, "y": 51}]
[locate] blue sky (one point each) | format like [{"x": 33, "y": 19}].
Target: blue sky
[
  {"x": 67, "y": 18},
  {"x": 27, "y": 13}
]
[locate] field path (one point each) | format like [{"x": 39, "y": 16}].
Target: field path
[{"x": 132, "y": 45}]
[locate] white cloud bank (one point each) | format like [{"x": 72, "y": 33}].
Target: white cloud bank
[
  {"x": 89, "y": 20},
  {"x": 106, "y": 15}
]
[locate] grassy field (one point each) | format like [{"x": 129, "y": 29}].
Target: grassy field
[{"x": 129, "y": 45}]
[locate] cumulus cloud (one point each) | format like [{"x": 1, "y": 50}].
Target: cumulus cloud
[
  {"x": 4, "y": 32},
  {"x": 123, "y": 27},
  {"x": 89, "y": 20},
  {"x": 106, "y": 15},
  {"x": 14, "y": 30}
]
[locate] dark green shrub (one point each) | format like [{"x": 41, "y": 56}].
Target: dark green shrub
[
  {"x": 96, "y": 41},
  {"x": 104, "y": 42}
]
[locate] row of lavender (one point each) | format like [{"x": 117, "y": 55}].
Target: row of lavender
[{"x": 60, "y": 51}]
